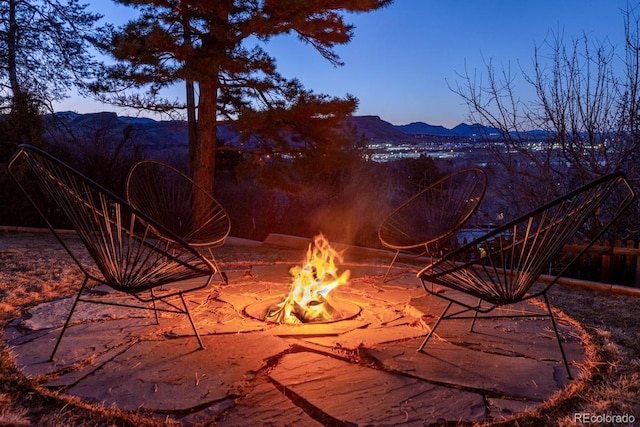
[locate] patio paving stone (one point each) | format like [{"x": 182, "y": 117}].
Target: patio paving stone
[{"x": 360, "y": 371}]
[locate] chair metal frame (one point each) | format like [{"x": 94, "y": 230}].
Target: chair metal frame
[
  {"x": 168, "y": 195},
  {"x": 127, "y": 250},
  {"x": 501, "y": 267},
  {"x": 424, "y": 223}
]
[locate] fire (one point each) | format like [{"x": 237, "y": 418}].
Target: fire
[{"x": 309, "y": 299}]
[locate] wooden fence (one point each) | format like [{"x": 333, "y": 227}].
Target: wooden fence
[{"x": 617, "y": 263}]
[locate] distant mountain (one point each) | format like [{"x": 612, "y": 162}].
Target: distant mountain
[
  {"x": 174, "y": 133},
  {"x": 167, "y": 135},
  {"x": 461, "y": 130},
  {"x": 376, "y": 129},
  {"x": 100, "y": 128},
  {"x": 473, "y": 130},
  {"x": 421, "y": 128}
]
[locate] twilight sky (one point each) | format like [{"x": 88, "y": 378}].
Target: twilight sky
[{"x": 403, "y": 58}]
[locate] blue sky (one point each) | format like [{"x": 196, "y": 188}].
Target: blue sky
[{"x": 403, "y": 58}]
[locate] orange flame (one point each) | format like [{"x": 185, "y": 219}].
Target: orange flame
[{"x": 309, "y": 298}]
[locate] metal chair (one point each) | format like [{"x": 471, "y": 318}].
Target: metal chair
[
  {"x": 501, "y": 267},
  {"x": 174, "y": 200},
  {"x": 126, "y": 249},
  {"x": 425, "y": 222}
]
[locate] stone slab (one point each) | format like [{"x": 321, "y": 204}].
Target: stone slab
[
  {"x": 53, "y": 314},
  {"x": 264, "y": 405},
  {"x": 498, "y": 375},
  {"x": 178, "y": 377},
  {"x": 81, "y": 344},
  {"x": 369, "y": 337},
  {"x": 359, "y": 395}
]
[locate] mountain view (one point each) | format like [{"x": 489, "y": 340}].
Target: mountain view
[{"x": 166, "y": 134}]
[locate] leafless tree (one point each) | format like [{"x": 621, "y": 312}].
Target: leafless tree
[{"x": 582, "y": 123}]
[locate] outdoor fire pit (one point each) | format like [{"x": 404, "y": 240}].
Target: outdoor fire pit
[
  {"x": 356, "y": 364},
  {"x": 310, "y": 299}
]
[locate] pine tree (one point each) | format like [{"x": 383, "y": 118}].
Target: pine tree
[
  {"x": 44, "y": 51},
  {"x": 216, "y": 45}
]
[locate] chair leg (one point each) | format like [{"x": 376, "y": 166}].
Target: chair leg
[
  {"x": 384, "y": 279},
  {"x": 475, "y": 315},
  {"x": 155, "y": 310},
  {"x": 223, "y": 276},
  {"x": 433, "y": 329},
  {"x": 66, "y": 323},
  {"x": 193, "y": 325},
  {"x": 555, "y": 329}
]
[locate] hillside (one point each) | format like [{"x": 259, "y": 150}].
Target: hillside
[
  {"x": 107, "y": 126},
  {"x": 375, "y": 129},
  {"x": 421, "y": 128}
]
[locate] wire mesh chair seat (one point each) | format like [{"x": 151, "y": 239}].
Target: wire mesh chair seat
[
  {"x": 424, "y": 223},
  {"x": 501, "y": 267},
  {"x": 174, "y": 200},
  {"x": 127, "y": 251}
]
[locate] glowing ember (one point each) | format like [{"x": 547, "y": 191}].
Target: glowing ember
[{"x": 309, "y": 299}]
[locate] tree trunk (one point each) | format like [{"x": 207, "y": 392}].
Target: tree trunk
[
  {"x": 12, "y": 65},
  {"x": 191, "y": 114},
  {"x": 203, "y": 152},
  {"x": 190, "y": 88}
]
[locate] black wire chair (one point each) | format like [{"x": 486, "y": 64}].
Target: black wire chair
[
  {"x": 501, "y": 267},
  {"x": 127, "y": 250},
  {"x": 174, "y": 200},
  {"x": 423, "y": 224}
]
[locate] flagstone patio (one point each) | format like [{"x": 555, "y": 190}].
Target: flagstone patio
[{"x": 361, "y": 371}]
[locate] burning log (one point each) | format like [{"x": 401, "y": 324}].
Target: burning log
[
  {"x": 308, "y": 299},
  {"x": 291, "y": 311}
]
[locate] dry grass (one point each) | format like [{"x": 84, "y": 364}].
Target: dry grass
[
  {"x": 611, "y": 383},
  {"x": 33, "y": 268}
]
